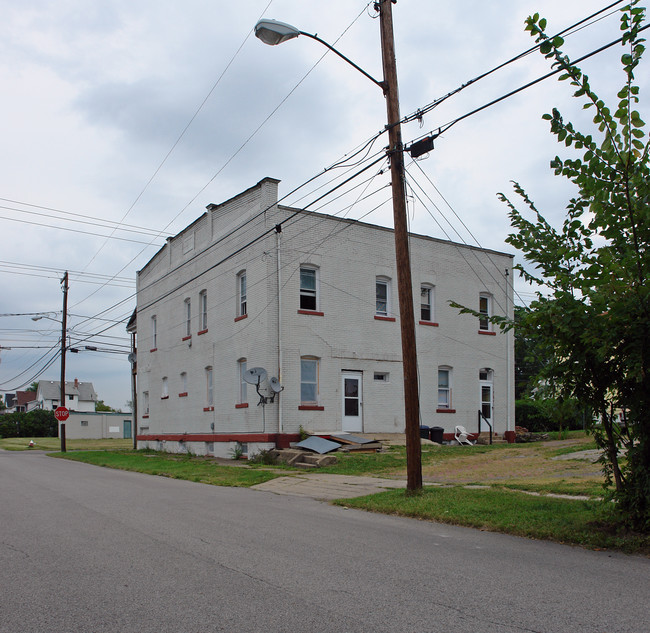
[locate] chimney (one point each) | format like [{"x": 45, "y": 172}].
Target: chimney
[{"x": 76, "y": 383}]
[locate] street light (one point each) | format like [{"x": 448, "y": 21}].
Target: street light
[{"x": 273, "y": 32}]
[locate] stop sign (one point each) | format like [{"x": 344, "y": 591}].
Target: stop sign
[{"x": 61, "y": 414}]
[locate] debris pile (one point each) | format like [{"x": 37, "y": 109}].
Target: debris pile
[
  {"x": 316, "y": 450},
  {"x": 523, "y": 435}
]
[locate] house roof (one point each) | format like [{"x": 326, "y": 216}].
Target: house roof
[
  {"x": 51, "y": 390},
  {"x": 23, "y": 397}
]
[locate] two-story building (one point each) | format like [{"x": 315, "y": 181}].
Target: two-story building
[
  {"x": 311, "y": 298},
  {"x": 79, "y": 396}
]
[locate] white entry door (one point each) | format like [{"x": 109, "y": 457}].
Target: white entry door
[{"x": 352, "y": 402}]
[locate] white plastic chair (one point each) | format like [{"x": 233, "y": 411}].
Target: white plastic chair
[{"x": 462, "y": 436}]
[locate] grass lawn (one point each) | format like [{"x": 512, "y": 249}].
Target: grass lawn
[
  {"x": 520, "y": 466},
  {"x": 54, "y": 444},
  {"x": 197, "y": 469},
  {"x": 584, "y": 523}
]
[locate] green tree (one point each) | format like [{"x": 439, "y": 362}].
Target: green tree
[
  {"x": 100, "y": 406},
  {"x": 591, "y": 316},
  {"x": 33, "y": 387}
]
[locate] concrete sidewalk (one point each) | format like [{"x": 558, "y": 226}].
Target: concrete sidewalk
[{"x": 326, "y": 487}]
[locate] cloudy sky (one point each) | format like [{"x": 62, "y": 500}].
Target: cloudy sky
[{"x": 122, "y": 119}]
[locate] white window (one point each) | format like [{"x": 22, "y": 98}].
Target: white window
[
  {"x": 154, "y": 332},
  {"x": 426, "y": 303},
  {"x": 382, "y": 292},
  {"x": 209, "y": 387},
  {"x": 308, "y": 288},
  {"x": 485, "y": 377},
  {"x": 203, "y": 310},
  {"x": 309, "y": 370},
  {"x": 184, "y": 382},
  {"x": 145, "y": 403},
  {"x": 485, "y": 309},
  {"x": 381, "y": 376},
  {"x": 444, "y": 388},
  {"x": 242, "y": 308},
  {"x": 165, "y": 388},
  {"x": 84, "y": 422},
  {"x": 188, "y": 317},
  {"x": 242, "y": 383}
]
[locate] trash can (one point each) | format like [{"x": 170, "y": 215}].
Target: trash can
[
  {"x": 435, "y": 434},
  {"x": 424, "y": 432}
]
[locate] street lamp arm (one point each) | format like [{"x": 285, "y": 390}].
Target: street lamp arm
[
  {"x": 381, "y": 84},
  {"x": 272, "y": 32}
]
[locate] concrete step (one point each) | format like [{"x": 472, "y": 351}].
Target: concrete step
[{"x": 305, "y": 465}]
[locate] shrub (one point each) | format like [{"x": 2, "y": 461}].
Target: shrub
[{"x": 37, "y": 423}]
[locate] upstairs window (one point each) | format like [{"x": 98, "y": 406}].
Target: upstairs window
[
  {"x": 308, "y": 289},
  {"x": 382, "y": 296},
  {"x": 203, "y": 310},
  {"x": 485, "y": 309},
  {"x": 426, "y": 303},
  {"x": 242, "y": 308},
  {"x": 145, "y": 403},
  {"x": 154, "y": 332},
  {"x": 188, "y": 318},
  {"x": 165, "y": 388}
]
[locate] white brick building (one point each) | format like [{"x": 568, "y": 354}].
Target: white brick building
[{"x": 208, "y": 305}]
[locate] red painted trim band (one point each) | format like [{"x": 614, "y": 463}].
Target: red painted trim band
[
  {"x": 239, "y": 318},
  {"x": 486, "y": 333},
  {"x": 186, "y": 338},
  {"x": 310, "y": 407},
  {"x": 183, "y": 395},
  {"x": 278, "y": 438},
  {"x": 383, "y": 318},
  {"x": 242, "y": 405},
  {"x": 202, "y": 332},
  {"x": 311, "y": 312},
  {"x": 445, "y": 410},
  {"x": 431, "y": 323}
]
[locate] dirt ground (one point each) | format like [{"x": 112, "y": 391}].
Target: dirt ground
[{"x": 536, "y": 463}]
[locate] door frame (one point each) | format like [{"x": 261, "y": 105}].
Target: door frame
[{"x": 358, "y": 375}]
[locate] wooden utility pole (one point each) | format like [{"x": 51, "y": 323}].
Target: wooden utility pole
[
  {"x": 64, "y": 332},
  {"x": 402, "y": 256}
]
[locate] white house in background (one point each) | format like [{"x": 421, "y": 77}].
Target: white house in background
[
  {"x": 79, "y": 396},
  {"x": 311, "y": 298}
]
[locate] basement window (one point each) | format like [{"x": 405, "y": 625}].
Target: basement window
[{"x": 381, "y": 376}]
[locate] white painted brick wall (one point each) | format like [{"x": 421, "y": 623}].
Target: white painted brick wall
[{"x": 349, "y": 257}]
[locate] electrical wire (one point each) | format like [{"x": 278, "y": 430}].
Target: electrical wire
[
  {"x": 242, "y": 146},
  {"x": 444, "y": 128},
  {"x": 420, "y": 112}
]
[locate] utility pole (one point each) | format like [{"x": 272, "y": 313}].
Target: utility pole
[
  {"x": 402, "y": 256},
  {"x": 64, "y": 332}
]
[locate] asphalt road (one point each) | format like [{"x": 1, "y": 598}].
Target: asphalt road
[{"x": 85, "y": 549}]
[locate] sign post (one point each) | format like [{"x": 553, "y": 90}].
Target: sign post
[{"x": 62, "y": 414}]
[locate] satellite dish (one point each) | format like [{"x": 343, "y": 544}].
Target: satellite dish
[
  {"x": 255, "y": 375},
  {"x": 276, "y": 387},
  {"x": 132, "y": 357}
]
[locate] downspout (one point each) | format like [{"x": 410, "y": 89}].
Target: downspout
[
  {"x": 278, "y": 232},
  {"x": 508, "y": 377},
  {"x": 134, "y": 392}
]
